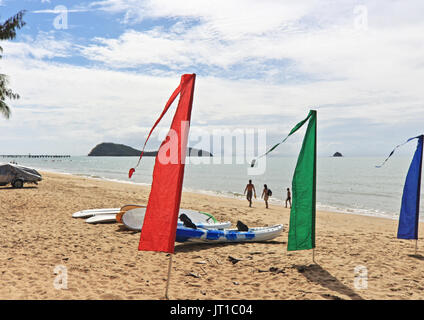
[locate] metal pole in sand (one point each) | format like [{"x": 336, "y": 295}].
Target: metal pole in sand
[
  {"x": 416, "y": 246},
  {"x": 313, "y": 255},
  {"x": 169, "y": 276}
]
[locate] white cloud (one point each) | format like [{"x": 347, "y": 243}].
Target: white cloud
[
  {"x": 59, "y": 10},
  {"x": 306, "y": 39},
  {"x": 365, "y": 74},
  {"x": 43, "y": 46},
  {"x": 263, "y": 65},
  {"x": 230, "y": 17},
  {"x": 84, "y": 105}
]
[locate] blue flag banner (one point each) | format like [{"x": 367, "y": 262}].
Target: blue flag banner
[
  {"x": 409, "y": 212},
  {"x": 393, "y": 151}
]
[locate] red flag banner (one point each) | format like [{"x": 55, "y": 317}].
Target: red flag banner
[
  {"x": 168, "y": 104},
  {"x": 160, "y": 221}
]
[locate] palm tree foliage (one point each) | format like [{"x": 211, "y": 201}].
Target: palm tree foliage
[{"x": 8, "y": 32}]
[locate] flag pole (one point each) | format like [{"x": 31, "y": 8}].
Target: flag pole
[
  {"x": 313, "y": 256},
  {"x": 416, "y": 246},
  {"x": 169, "y": 276}
]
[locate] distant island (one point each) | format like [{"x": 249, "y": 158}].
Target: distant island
[
  {"x": 337, "y": 154},
  {"x": 108, "y": 149}
]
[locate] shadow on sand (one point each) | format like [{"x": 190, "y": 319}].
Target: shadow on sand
[
  {"x": 194, "y": 247},
  {"x": 416, "y": 256},
  {"x": 315, "y": 273},
  {"x": 124, "y": 229},
  {"x": 12, "y": 188}
]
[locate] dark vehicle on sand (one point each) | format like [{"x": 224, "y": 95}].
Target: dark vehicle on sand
[{"x": 17, "y": 175}]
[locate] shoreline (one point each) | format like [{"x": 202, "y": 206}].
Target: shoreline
[{"x": 228, "y": 195}]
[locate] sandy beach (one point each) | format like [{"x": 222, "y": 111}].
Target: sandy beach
[{"x": 102, "y": 261}]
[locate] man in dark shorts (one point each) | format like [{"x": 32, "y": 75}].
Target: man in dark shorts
[
  {"x": 250, "y": 188},
  {"x": 288, "y": 199}
]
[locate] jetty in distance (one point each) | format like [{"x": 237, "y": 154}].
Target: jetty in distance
[{"x": 35, "y": 156}]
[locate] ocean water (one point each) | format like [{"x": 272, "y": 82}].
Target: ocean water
[{"x": 349, "y": 185}]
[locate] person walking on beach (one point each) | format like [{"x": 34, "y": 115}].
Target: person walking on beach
[
  {"x": 288, "y": 198},
  {"x": 250, "y": 188},
  {"x": 265, "y": 195}
]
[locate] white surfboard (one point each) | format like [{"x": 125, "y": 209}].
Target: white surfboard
[
  {"x": 102, "y": 218},
  {"x": 94, "y": 212},
  {"x": 133, "y": 219}
]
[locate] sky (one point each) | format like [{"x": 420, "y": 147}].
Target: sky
[{"x": 101, "y": 71}]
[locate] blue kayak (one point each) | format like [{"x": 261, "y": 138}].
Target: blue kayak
[{"x": 185, "y": 234}]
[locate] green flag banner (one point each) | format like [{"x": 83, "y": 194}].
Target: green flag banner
[
  {"x": 296, "y": 127},
  {"x": 302, "y": 214}
]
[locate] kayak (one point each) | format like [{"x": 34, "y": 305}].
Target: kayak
[
  {"x": 133, "y": 219},
  {"x": 257, "y": 234}
]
